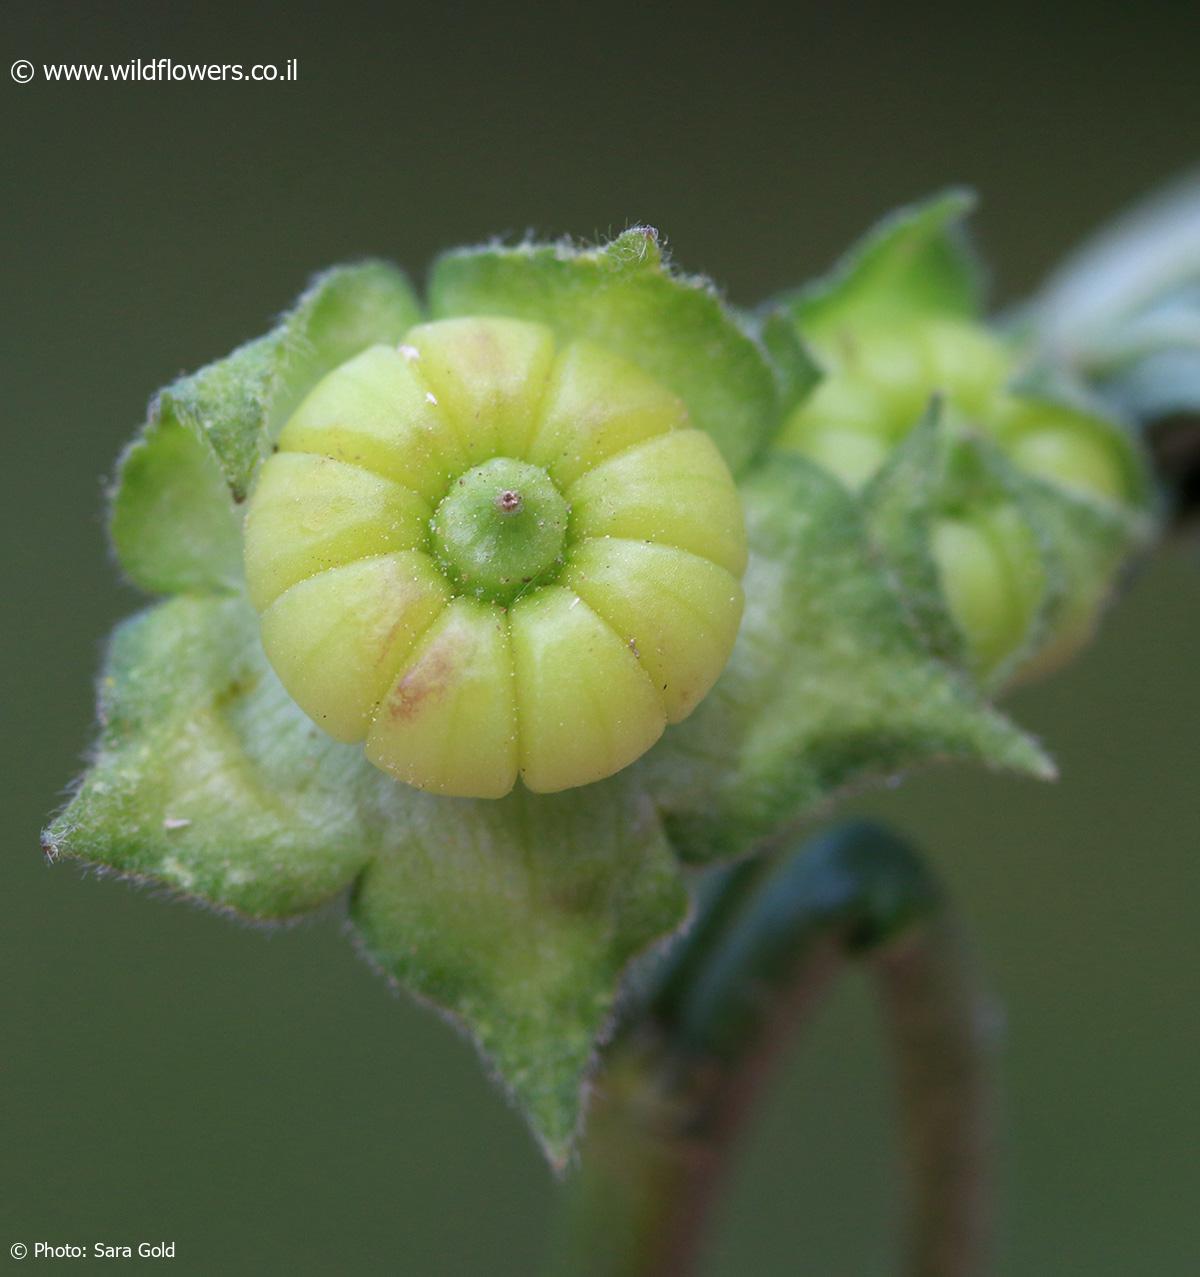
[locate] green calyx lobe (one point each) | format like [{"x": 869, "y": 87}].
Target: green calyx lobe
[{"x": 501, "y": 529}]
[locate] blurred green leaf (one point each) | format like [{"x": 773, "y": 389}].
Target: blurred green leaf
[
  {"x": 1162, "y": 384},
  {"x": 1131, "y": 267},
  {"x": 1123, "y": 311},
  {"x": 917, "y": 260}
]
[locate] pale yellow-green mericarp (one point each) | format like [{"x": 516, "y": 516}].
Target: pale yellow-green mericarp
[{"x": 489, "y": 556}]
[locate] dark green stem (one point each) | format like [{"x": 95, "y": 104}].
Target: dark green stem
[
  {"x": 939, "y": 1035},
  {"x": 682, "y": 1077}
]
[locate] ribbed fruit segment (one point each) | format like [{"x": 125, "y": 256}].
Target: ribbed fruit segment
[
  {"x": 586, "y": 706},
  {"x": 674, "y": 490},
  {"x": 839, "y": 403},
  {"x": 449, "y": 722},
  {"x": 310, "y": 513},
  {"x": 491, "y": 558},
  {"x": 337, "y": 639},
  {"x": 598, "y": 405},
  {"x": 893, "y": 364},
  {"x": 488, "y": 376},
  {"x": 1071, "y": 457},
  {"x": 966, "y": 363},
  {"x": 880, "y": 381},
  {"x": 991, "y": 574},
  {"x": 678, "y": 613},
  {"x": 374, "y": 411}
]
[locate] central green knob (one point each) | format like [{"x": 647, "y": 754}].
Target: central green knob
[{"x": 501, "y": 528}]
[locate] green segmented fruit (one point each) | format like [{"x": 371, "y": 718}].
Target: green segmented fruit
[
  {"x": 878, "y": 383},
  {"x": 487, "y": 556},
  {"x": 880, "y": 376}
]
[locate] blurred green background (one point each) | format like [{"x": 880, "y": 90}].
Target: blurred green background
[{"x": 261, "y": 1099}]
